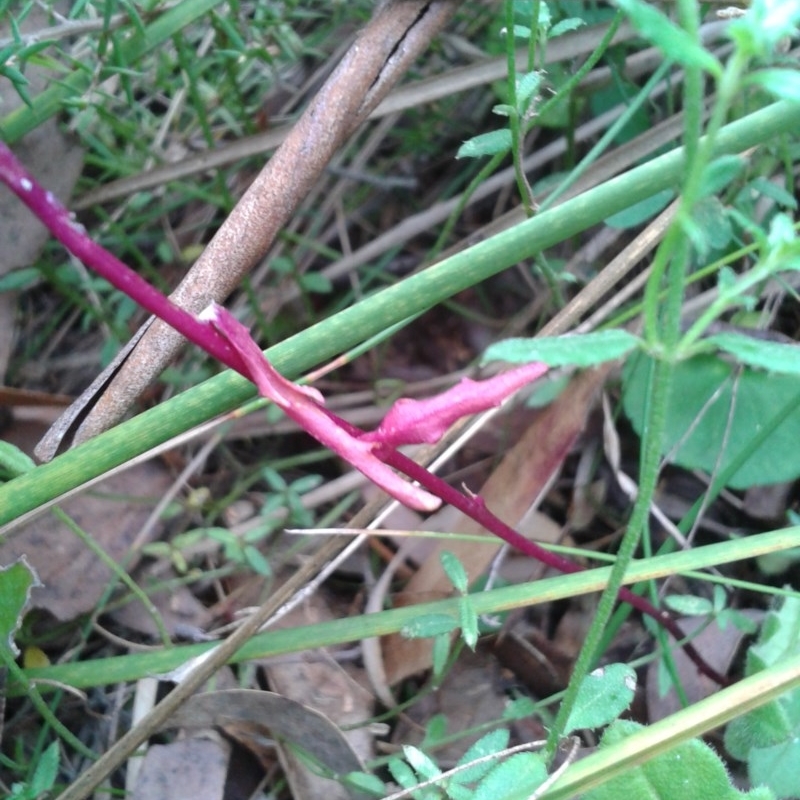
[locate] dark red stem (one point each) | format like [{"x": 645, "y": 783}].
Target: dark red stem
[
  {"x": 73, "y": 236},
  {"x": 475, "y": 508}
]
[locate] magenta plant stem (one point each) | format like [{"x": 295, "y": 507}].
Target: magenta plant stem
[
  {"x": 475, "y": 508},
  {"x": 73, "y": 236}
]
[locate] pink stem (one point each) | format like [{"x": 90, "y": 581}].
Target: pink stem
[{"x": 74, "y": 237}]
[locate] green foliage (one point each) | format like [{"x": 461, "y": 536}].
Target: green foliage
[
  {"x": 16, "y": 582},
  {"x": 43, "y": 779},
  {"x": 767, "y": 738},
  {"x": 586, "y": 350},
  {"x": 718, "y": 417},
  {"x": 603, "y": 695},
  {"x": 674, "y": 42},
  {"x": 13, "y": 461},
  {"x": 690, "y": 770}
]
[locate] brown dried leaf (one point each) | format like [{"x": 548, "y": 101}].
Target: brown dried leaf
[
  {"x": 112, "y": 513},
  {"x": 190, "y": 769},
  {"x": 244, "y": 710}
]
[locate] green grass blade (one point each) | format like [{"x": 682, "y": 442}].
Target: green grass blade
[{"x": 353, "y": 325}]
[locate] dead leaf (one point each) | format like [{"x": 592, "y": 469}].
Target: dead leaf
[
  {"x": 112, "y": 513},
  {"x": 717, "y": 646},
  {"x": 471, "y": 694},
  {"x": 190, "y": 769},
  {"x": 525, "y": 471},
  {"x": 246, "y": 709}
]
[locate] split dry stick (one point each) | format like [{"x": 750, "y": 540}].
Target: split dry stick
[{"x": 398, "y": 33}]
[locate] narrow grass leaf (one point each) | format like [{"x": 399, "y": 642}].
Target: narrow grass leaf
[
  {"x": 429, "y": 625},
  {"x": 585, "y": 350},
  {"x": 13, "y": 461}
]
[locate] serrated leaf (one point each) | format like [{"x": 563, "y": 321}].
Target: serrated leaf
[
  {"x": 429, "y": 625},
  {"x": 16, "y": 582},
  {"x": 774, "y": 356},
  {"x": 486, "y": 144},
  {"x": 421, "y": 763},
  {"x": 46, "y": 771},
  {"x": 690, "y": 770},
  {"x": 402, "y": 773},
  {"x": 491, "y": 743},
  {"x": 565, "y": 26},
  {"x": 455, "y": 571},
  {"x": 441, "y": 652},
  {"x": 602, "y": 697},
  {"x": 585, "y": 350},
  {"x": 516, "y": 778},
  {"x": 674, "y": 42},
  {"x": 527, "y": 86}
]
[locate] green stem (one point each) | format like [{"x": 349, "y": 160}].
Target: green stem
[{"x": 349, "y": 327}]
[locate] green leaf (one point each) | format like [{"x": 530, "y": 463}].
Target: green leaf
[
  {"x": 516, "y": 778},
  {"x": 775, "y": 192},
  {"x": 487, "y": 745},
  {"x": 602, "y": 697},
  {"x": 364, "y": 782},
  {"x": 640, "y": 212},
  {"x": 691, "y": 770},
  {"x": 710, "y": 433},
  {"x": 527, "y": 86},
  {"x": 13, "y": 461},
  {"x": 429, "y": 625},
  {"x": 469, "y": 623},
  {"x": 776, "y": 768},
  {"x": 720, "y": 173},
  {"x": 585, "y": 350},
  {"x": 46, "y": 771},
  {"x": 673, "y": 41},
  {"x": 710, "y": 227},
  {"x": 782, "y": 83},
  {"x": 688, "y": 605},
  {"x": 455, "y": 571},
  {"x": 774, "y": 356},
  {"x": 421, "y": 763},
  {"x": 486, "y": 144},
  {"x": 16, "y": 582},
  {"x": 565, "y": 26}
]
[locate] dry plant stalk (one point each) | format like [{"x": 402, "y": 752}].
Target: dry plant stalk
[{"x": 398, "y": 33}]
